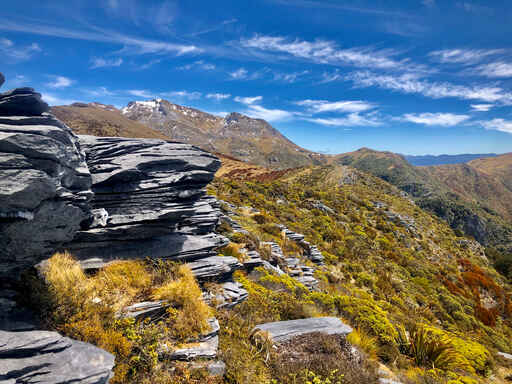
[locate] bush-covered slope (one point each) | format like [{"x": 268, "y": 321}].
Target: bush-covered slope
[
  {"x": 468, "y": 199},
  {"x": 390, "y": 267}
]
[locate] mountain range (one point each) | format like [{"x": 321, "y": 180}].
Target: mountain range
[{"x": 474, "y": 197}]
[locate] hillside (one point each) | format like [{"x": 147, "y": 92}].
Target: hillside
[
  {"x": 100, "y": 120},
  {"x": 251, "y": 140},
  {"x": 485, "y": 180},
  {"x": 469, "y": 200},
  {"x": 388, "y": 264}
]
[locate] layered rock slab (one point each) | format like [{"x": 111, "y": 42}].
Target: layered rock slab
[
  {"x": 281, "y": 331},
  {"x": 44, "y": 185},
  {"x": 46, "y": 358},
  {"x": 148, "y": 201}
]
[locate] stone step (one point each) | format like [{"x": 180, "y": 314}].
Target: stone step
[
  {"x": 281, "y": 331},
  {"x": 214, "y": 268}
]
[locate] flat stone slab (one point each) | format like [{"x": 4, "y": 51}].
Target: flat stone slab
[
  {"x": 48, "y": 358},
  {"x": 281, "y": 331},
  {"x": 507, "y": 356}
]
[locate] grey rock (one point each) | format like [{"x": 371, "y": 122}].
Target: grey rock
[
  {"x": 44, "y": 189},
  {"x": 204, "y": 347},
  {"x": 152, "y": 203},
  {"x": 48, "y": 358},
  {"x": 2, "y": 79},
  {"x": 214, "y": 268},
  {"x": 230, "y": 295},
  {"x": 154, "y": 310},
  {"x": 22, "y": 102},
  {"x": 281, "y": 331},
  {"x": 507, "y": 356},
  {"x": 214, "y": 368},
  {"x": 202, "y": 350},
  {"x": 321, "y": 206}
]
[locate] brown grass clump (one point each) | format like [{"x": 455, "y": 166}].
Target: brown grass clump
[
  {"x": 68, "y": 288},
  {"x": 189, "y": 313},
  {"x": 233, "y": 249},
  {"x": 122, "y": 281},
  {"x": 322, "y": 356}
]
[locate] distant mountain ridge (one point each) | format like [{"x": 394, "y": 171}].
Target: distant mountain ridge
[
  {"x": 429, "y": 160},
  {"x": 248, "y": 139}
]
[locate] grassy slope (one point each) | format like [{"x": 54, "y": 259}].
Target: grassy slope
[
  {"x": 468, "y": 198},
  {"x": 379, "y": 269}
]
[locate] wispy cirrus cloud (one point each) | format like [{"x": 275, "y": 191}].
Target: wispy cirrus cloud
[
  {"x": 435, "y": 119},
  {"x": 496, "y": 69},
  {"x": 59, "y": 82},
  {"x": 271, "y": 115},
  {"x": 53, "y": 99},
  {"x": 463, "y": 56},
  {"x": 218, "y": 96},
  {"x": 481, "y": 107},
  {"x": 15, "y": 53},
  {"x": 328, "y": 52},
  {"x": 411, "y": 83},
  {"x": 100, "y": 62},
  {"x": 130, "y": 44},
  {"x": 501, "y": 125},
  {"x": 199, "y": 64},
  {"x": 248, "y": 100},
  {"x": 350, "y": 120},
  {"x": 290, "y": 77},
  {"x": 141, "y": 93},
  {"x": 183, "y": 95},
  {"x": 256, "y": 111},
  {"x": 239, "y": 74},
  {"x": 322, "y": 106}
]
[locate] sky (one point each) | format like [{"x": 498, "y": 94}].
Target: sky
[{"x": 411, "y": 76}]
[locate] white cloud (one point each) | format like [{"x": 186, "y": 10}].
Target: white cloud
[
  {"x": 98, "y": 92},
  {"x": 239, "y": 74},
  {"x": 52, "y": 99},
  {"x": 329, "y": 77},
  {"x": 481, "y": 107},
  {"x": 218, "y": 96},
  {"x": 200, "y": 64},
  {"x": 131, "y": 45},
  {"x": 149, "y": 64},
  {"x": 497, "y": 69},
  {"x": 141, "y": 93},
  {"x": 351, "y": 120},
  {"x": 320, "y": 106},
  {"x": 99, "y": 62},
  {"x": 409, "y": 83},
  {"x": 15, "y": 53},
  {"x": 289, "y": 77},
  {"x": 439, "y": 119},
  {"x": 60, "y": 82},
  {"x": 259, "y": 112},
  {"x": 463, "y": 56},
  {"x": 183, "y": 94},
  {"x": 498, "y": 125},
  {"x": 327, "y": 52},
  {"x": 248, "y": 100}
]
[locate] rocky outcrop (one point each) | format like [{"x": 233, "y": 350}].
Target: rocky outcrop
[
  {"x": 148, "y": 202},
  {"x": 44, "y": 182},
  {"x": 47, "y": 358},
  {"x": 281, "y": 331}
]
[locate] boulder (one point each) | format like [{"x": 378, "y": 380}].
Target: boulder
[
  {"x": 22, "y": 102},
  {"x": 281, "y": 331},
  {"x": 48, "y": 358},
  {"x": 44, "y": 189},
  {"x": 2, "y": 79},
  {"x": 149, "y": 201},
  {"x": 214, "y": 268}
]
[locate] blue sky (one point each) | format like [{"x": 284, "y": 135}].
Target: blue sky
[{"x": 414, "y": 77}]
